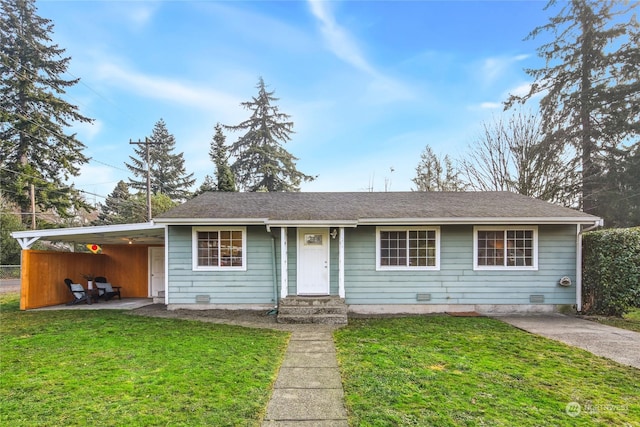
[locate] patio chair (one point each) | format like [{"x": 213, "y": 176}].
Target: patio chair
[
  {"x": 78, "y": 292},
  {"x": 106, "y": 290}
]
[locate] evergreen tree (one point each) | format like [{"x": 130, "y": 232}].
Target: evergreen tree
[
  {"x": 260, "y": 158},
  {"x": 620, "y": 202},
  {"x": 436, "y": 174},
  {"x": 590, "y": 84},
  {"x": 117, "y": 206},
  {"x": 167, "y": 170},
  {"x": 220, "y": 157},
  {"x": 9, "y": 222},
  {"x": 209, "y": 184},
  {"x": 37, "y": 157}
]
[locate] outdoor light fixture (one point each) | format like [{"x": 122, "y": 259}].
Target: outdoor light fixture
[{"x": 334, "y": 233}]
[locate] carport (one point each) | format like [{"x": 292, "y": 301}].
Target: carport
[{"x": 132, "y": 257}]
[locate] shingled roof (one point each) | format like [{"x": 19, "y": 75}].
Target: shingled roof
[{"x": 364, "y": 207}]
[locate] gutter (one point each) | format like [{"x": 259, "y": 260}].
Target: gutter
[{"x": 580, "y": 231}]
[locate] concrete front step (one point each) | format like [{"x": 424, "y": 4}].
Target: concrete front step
[{"x": 324, "y": 310}]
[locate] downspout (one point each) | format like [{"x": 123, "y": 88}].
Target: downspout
[
  {"x": 274, "y": 272},
  {"x": 595, "y": 225}
]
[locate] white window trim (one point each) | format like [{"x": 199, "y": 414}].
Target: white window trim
[
  {"x": 533, "y": 267},
  {"x": 194, "y": 249},
  {"x": 380, "y": 267}
]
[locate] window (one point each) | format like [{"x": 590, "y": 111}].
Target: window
[
  {"x": 408, "y": 249},
  {"x": 513, "y": 248},
  {"x": 219, "y": 248}
]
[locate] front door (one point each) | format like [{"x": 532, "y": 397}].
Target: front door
[
  {"x": 156, "y": 267},
  {"x": 313, "y": 261}
]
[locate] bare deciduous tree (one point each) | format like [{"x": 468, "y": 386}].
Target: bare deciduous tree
[{"x": 512, "y": 155}]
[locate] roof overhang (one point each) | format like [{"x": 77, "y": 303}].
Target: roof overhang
[
  {"x": 480, "y": 221},
  {"x": 142, "y": 233},
  {"x": 380, "y": 221}
]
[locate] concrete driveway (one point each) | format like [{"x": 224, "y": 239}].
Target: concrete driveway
[{"x": 617, "y": 344}]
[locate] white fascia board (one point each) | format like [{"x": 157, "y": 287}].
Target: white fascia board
[
  {"x": 212, "y": 221},
  {"x": 61, "y": 232},
  {"x": 478, "y": 221},
  {"x": 313, "y": 223}
]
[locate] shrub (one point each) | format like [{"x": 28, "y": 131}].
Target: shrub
[{"x": 611, "y": 271}]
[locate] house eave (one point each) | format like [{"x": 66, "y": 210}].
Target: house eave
[
  {"x": 479, "y": 221},
  {"x": 211, "y": 221}
]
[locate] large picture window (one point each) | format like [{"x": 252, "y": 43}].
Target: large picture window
[
  {"x": 506, "y": 248},
  {"x": 219, "y": 248},
  {"x": 408, "y": 248}
]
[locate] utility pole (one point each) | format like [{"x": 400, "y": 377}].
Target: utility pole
[{"x": 146, "y": 143}]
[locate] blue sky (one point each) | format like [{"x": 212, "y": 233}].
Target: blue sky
[{"x": 367, "y": 83}]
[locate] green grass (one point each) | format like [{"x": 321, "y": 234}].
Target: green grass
[
  {"x": 105, "y": 368},
  {"x": 448, "y": 371},
  {"x": 630, "y": 321}
]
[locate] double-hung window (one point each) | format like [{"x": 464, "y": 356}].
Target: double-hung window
[
  {"x": 414, "y": 248},
  {"x": 216, "y": 248},
  {"x": 505, "y": 248}
]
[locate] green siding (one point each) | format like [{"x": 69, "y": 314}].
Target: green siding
[
  {"x": 253, "y": 286},
  {"x": 456, "y": 282}
]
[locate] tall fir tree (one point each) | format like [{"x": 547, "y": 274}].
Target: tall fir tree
[
  {"x": 167, "y": 170},
  {"x": 37, "y": 157},
  {"x": 590, "y": 84},
  {"x": 220, "y": 157},
  {"x": 261, "y": 161},
  {"x": 117, "y": 206}
]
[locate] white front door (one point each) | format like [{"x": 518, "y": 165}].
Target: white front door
[
  {"x": 156, "y": 268},
  {"x": 313, "y": 261}
]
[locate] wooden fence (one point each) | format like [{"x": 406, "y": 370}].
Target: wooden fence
[{"x": 43, "y": 273}]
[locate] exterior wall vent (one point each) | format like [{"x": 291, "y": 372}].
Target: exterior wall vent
[
  {"x": 203, "y": 299},
  {"x": 423, "y": 297},
  {"x": 536, "y": 299}
]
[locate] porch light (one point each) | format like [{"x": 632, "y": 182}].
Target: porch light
[{"x": 334, "y": 233}]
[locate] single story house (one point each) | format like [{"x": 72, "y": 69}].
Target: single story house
[{"x": 380, "y": 252}]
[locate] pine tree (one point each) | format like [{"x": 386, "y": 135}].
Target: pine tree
[
  {"x": 435, "y": 173},
  {"x": 590, "y": 84},
  {"x": 209, "y": 184},
  {"x": 36, "y": 155},
  {"x": 220, "y": 157},
  {"x": 167, "y": 170},
  {"x": 261, "y": 162},
  {"x": 117, "y": 206}
]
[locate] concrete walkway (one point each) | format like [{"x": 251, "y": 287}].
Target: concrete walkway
[
  {"x": 617, "y": 344},
  {"x": 308, "y": 390}
]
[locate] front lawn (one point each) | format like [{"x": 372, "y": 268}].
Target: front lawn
[
  {"x": 450, "y": 371},
  {"x": 107, "y": 368}
]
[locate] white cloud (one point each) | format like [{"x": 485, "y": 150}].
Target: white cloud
[
  {"x": 383, "y": 88},
  {"x": 162, "y": 88},
  {"x": 87, "y": 131},
  {"x": 338, "y": 39},
  {"x": 496, "y": 67},
  {"x": 520, "y": 90},
  {"x": 490, "y": 105}
]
